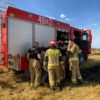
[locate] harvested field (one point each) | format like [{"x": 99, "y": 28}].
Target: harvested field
[{"x": 11, "y": 90}]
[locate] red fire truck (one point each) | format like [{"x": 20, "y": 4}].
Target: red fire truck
[{"x": 20, "y": 29}]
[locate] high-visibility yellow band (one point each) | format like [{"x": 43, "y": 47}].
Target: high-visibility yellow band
[
  {"x": 73, "y": 59},
  {"x": 36, "y": 84},
  {"x": 53, "y": 65},
  {"x": 74, "y": 80},
  {"x": 80, "y": 77},
  {"x": 51, "y": 82},
  {"x": 62, "y": 62}
]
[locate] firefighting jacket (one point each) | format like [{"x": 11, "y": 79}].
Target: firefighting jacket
[
  {"x": 53, "y": 58},
  {"x": 33, "y": 53},
  {"x": 73, "y": 55}
]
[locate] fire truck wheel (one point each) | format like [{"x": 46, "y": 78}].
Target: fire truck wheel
[{"x": 83, "y": 58}]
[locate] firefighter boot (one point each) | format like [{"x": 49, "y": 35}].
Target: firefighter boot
[
  {"x": 52, "y": 88},
  {"x": 74, "y": 82},
  {"x": 60, "y": 86},
  {"x": 80, "y": 81}
]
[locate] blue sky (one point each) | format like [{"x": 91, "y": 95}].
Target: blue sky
[{"x": 83, "y": 14}]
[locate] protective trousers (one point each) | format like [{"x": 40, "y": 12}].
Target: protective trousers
[
  {"x": 74, "y": 65},
  {"x": 62, "y": 68},
  {"x": 35, "y": 72},
  {"x": 62, "y": 72},
  {"x": 54, "y": 77}
]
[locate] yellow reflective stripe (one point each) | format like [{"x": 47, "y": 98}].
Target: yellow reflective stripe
[
  {"x": 51, "y": 82},
  {"x": 53, "y": 65},
  {"x": 73, "y": 58},
  {"x": 36, "y": 84},
  {"x": 62, "y": 62},
  {"x": 80, "y": 77},
  {"x": 74, "y": 80}
]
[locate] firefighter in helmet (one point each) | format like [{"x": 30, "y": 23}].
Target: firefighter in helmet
[
  {"x": 34, "y": 56},
  {"x": 73, "y": 51},
  {"x": 52, "y": 61}
]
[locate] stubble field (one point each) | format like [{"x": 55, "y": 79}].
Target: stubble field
[{"x": 12, "y": 90}]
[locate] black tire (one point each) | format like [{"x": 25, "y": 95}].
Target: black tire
[{"x": 83, "y": 58}]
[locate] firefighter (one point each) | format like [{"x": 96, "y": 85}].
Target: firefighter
[
  {"x": 60, "y": 45},
  {"x": 73, "y": 51},
  {"x": 52, "y": 61},
  {"x": 44, "y": 70},
  {"x": 34, "y": 56}
]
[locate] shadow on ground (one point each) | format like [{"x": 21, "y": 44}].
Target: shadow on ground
[
  {"x": 92, "y": 73},
  {"x": 6, "y": 85}
]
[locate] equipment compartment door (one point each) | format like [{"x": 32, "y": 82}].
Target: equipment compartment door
[
  {"x": 19, "y": 36},
  {"x": 44, "y": 34}
]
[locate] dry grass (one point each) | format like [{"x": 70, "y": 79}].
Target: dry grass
[
  {"x": 94, "y": 59},
  {"x": 10, "y": 90}
]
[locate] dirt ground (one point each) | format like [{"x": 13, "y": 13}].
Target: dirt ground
[{"x": 12, "y": 90}]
